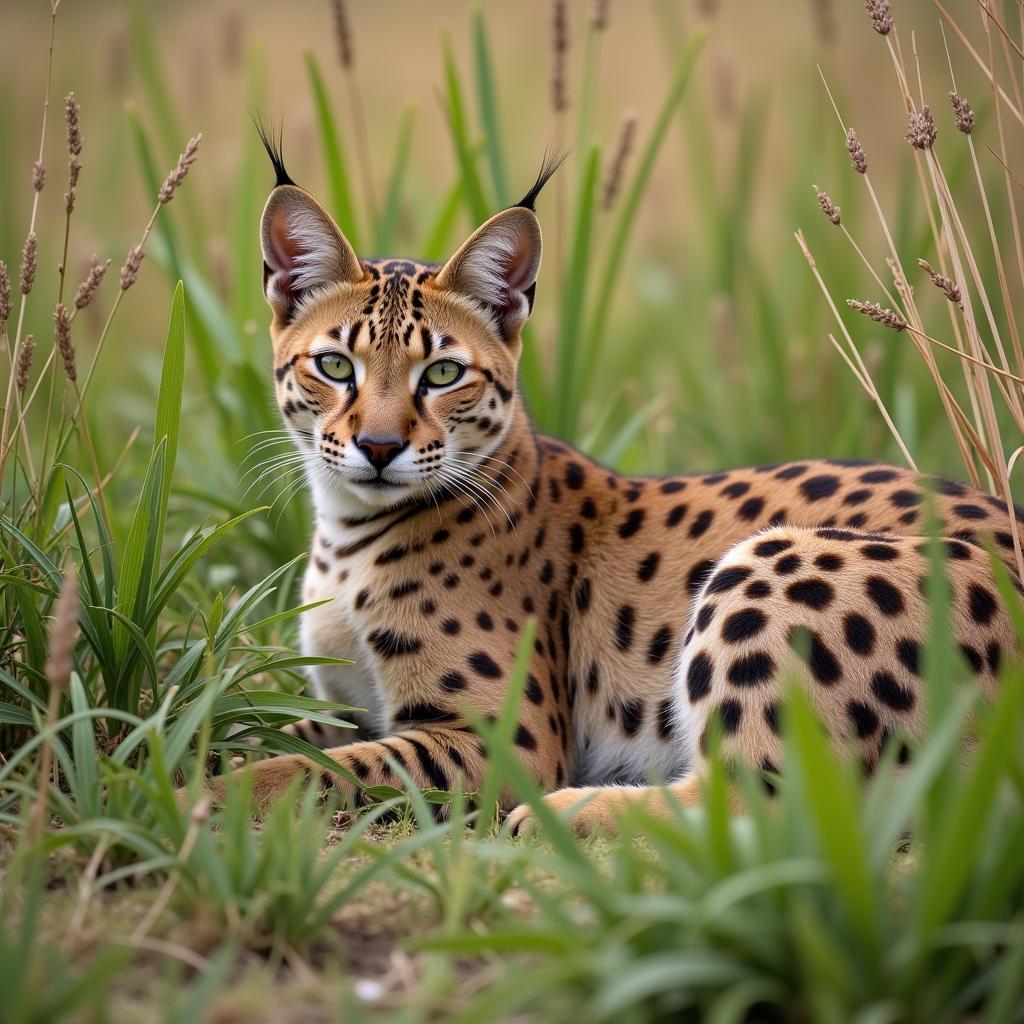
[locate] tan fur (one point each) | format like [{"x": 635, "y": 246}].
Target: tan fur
[{"x": 660, "y": 602}]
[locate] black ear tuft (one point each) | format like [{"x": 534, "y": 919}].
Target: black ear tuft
[
  {"x": 550, "y": 164},
  {"x": 274, "y": 151}
]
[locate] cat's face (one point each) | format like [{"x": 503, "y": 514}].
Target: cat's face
[{"x": 397, "y": 379}]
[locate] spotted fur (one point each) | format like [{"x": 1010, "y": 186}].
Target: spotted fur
[{"x": 663, "y": 604}]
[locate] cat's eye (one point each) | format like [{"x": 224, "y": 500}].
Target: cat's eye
[
  {"x": 443, "y": 373},
  {"x": 335, "y": 366}
]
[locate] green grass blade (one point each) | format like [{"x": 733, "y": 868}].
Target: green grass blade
[
  {"x": 455, "y": 110},
  {"x": 487, "y": 100},
  {"x": 384, "y": 239}
]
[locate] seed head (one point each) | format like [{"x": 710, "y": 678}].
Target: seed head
[
  {"x": 63, "y": 629},
  {"x": 29, "y": 263},
  {"x": 343, "y": 33},
  {"x": 177, "y": 176},
  {"x": 38, "y": 176},
  {"x": 617, "y": 168},
  {"x": 599, "y": 15},
  {"x": 946, "y": 285},
  {"x": 5, "y": 296},
  {"x": 962, "y": 113},
  {"x": 130, "y": 270},
  {"x": 880, "y": 15},
  {"x": 921, "y": 130},
  {"x": 87, "y": 289},
  {"x": 856, "y": 151},
  {"x": 28, "y": 346},
  {"x": 62, "y": 341},
  {"x": 74, "y": 133},
  {"x": 560, "y": 48},
  {"x": 881, "y": 315},
  {"x": 827, "y": 206}
]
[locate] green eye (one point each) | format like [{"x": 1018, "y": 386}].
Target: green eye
[
  {"x": 335, "y": 366},
  {"x": 442, "y": 373}
]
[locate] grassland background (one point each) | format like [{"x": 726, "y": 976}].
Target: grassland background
[{"x": 715, "y": 354}]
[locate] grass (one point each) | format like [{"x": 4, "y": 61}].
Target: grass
[{"x": 174, "y": 647}]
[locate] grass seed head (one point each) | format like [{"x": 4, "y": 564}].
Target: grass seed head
[
  {"x": 343, "y": 34},
  {"x": 921, "y": 130},
  {"x": 617, "y": 168},
  {"x": 856, "y": 151},
  {"x": 63, "y": 631},
  {"x": 880, "y": 314},
  {"x": 827, "y": 206},
  {"x": 28, "y": 347},
  {"x": 599, "y": 15},
  {"x": 963, "y": 115},
  {"x": 38, "y": 176},
  {"x": 177, "y": 176},
  {"x": 74, "y": 133},
  {"x": 560, "y": 48},
  {"x": 130, "y": 270},
  {"x": 62, "y": 340},
  {"x": 880, "y": 15},
  {"x": 29, "y": 263},
  {"x": 5, "y": 296},
  {"x": 946, "y": 285},
  {"x": 87, "y": 289}
]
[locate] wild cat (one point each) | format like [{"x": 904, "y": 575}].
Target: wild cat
[{"x": 444, "y": 522}]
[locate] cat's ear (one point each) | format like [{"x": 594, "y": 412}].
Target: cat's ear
[
  {"x": 302, "y": 249},
  {"x": 498, "y": 266}
]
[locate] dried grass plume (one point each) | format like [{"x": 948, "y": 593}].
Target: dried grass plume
[
  {"x": 880, "y": 314},
  {"x": 921, "y": 130},
  {"x": 827, "y": 206},
  {"x": 177, "y": 176},
  {"x": 856, "y": 151}
]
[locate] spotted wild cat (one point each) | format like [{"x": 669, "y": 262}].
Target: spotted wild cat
[{"x": 444, "y": 522}]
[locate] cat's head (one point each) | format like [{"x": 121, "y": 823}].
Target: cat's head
[{"x": 395, "y": 377}]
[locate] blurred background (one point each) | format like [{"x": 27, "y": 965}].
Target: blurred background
[{"x": 712, "y": 349}]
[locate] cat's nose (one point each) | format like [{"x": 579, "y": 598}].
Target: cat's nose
[{"x": 380, "y": 451}]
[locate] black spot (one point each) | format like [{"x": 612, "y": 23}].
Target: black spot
[
  {"x": 815, "y": 593},
  {"x": 751, "y": 508},
  {"x": 533, "y": 691},
  {"x": 742, "y": 625},
  {"x": 361, "y": 598},
  {"x": 857, "y": 497},
  {"x": 815, "y": 488},
  {"x": 401, "y": 590},
  {"x": 974, "y": 659},
  {"x": 758, "y": 589},
  {"x": 632, "y": 523},
  {"x": 593, "y": 679},
  {"x": 857, "y": 521},
  {"x": 981, "y": 603},
  {"x": 698, "y": 574},
  {"x": 451, "y": 626},
  {"x": 648, "y": 567},
  {"x": 970, "y": 511},
  {"x": 878, "y": 476},
  {"x": 524, "y": 738},
  {"x": 736, "y": 490},
  {"x": 450, "y": 581},
  {"x": 440, "y": 536},
  {"x": 700, "y": 525},
  {"x": 705, "y": 615},
  {"x": 994, "y": 656},
  {"x": 863, "y": 717},
  {"x": 771, "y": 716},
  {"x": 422, "y": 713},
  {"x": 546, "y": 573},
  {"x": 484, "y": 621},
  {"x": 389, "y": 644},
  {"x": 886, "y": 598},
  {"x": 672, "y": 486},
  {"x": 624, "y": 627},
  {"x": 909, "y": 653},
  {"x": 905, "y": 499},
  {"x": 576, "y": 538},
  {"x": 788, "y": 564},
  {"x": 482, "y": 663},
  {"x": 428, "y": 607},
  {"x": 829, "y": 563},
  {"x": 698, "y": 677},
  {"x": 819, "y": 657},
  {"x": 392, "y": 554},
  {"x": 752, "y": 669},
  {"x": 790, "y": 472},
  {"x": 573, "y": 475},
  {"x": 768, "y": 548},
  {"x": 675, "y": 515},
  {"x": 631, "y": 714},
  {"x": 731, "y": 714},
  {"x": 950, "y": 488},
  {"x": 727, "y": 579},
  {"x": 659, "y": 645},
  {"x": 890, "y": 692},
  {"x": 453, "y": 681},
  {"x": 583, "y": 594},
  {"x": 588, "y": 509},
  {"x": 880, "y": 552}
]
